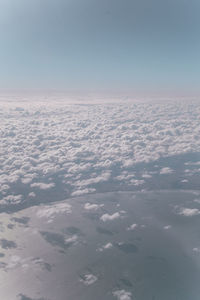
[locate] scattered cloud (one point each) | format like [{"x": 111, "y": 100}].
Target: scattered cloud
[
  {"x": 82, "y": 192},
  {"x": 167, "y": 227},
  {"x": 184, "y": 180},
  {"x": 71, "y": 240},
  {"x": 132, "y": 227},
  {"x": 88, "y": 279},
  {"x": 197, "y": 200},
  {"x": 197, "y": 250},
  {"x": 166, "y": 170},
  {"x": 27, "y": 263},
  {"x": 189, "y": 212},
  {"x": 42, "y": 186},
  {"x": 89, "y": 206},
  {"x": 12, "y": 199},
  {"x": 122, "y": 295},
  {"x": 107, "y": 217},
  {"x": 106, "y": 246},
  {"x": 32, "y": 194},
  {"x": 50, "y": 211}
]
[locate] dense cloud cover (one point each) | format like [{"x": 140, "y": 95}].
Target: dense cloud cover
[{"x": 51, "y": 150}]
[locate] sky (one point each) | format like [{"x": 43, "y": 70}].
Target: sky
[{"x": 95, "y": 45}]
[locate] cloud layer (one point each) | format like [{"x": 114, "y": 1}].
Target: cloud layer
[{"x": 84, "y": 148}]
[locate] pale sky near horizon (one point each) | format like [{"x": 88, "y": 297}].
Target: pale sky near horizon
[{"x": 100, "y": 44}]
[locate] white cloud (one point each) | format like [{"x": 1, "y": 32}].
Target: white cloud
[
  {"x": 43, "y": 186},
  {"x": 137, "y": 182},
  {"x": 4, "y": 187},
  {"x": 166, "y": 171},
  {"x": 89, "y": 206},
  {"x": 167, "y": 227},
  {"x": 197, "y": 250},
  {"x": 189, "y": 212},
  {"x": 82, "y": 192},
  {"x": 107, "y": 217},
  {"x": 197, "y": 163},
  {"x": 32, "y": 195},
  {"x": 197, "y": 200},
  {"x": 25, "y": 264},
  {"x": 103, "y": 177},
  {"x": 122, "y": 295},
  {"x": 73, "y": 239},
  {"x": 147, "y": 175},
  {"x": 12, "y": 199},
  {"x": 128, "y": 163},
  {"x": 106, "y": 246},
  {"x": 132, "y": 227},
  {"x": 184, "y": 180},
  {"x": 50, "y": 211},
  {"x": 91, "y": 148},
  {"x": 88, "y": 279},
  {"x": 26, "y": 180}
]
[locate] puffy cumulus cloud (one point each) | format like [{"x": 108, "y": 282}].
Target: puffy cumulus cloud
[
  {"x": 132, "y": 227},
  {"x": 43, "y": 186},
  {"x": 197, "y": 163},
  {"x": 12, "y": 199},
  {"x": 82, "y": 192},
  {"x": 184, "y": 180},
  {"x": 89, "y": 206},
  {"x": 88, "y": 279},
  {"x": 166, "y": 170},
  {"x": 72, "y": 240},
  {"x": 146, "y": 175},
  {"x": 106, "y": 246},
  {"x": 95, "y": 147},
  {"x": 95, "y": 180},
  {"x": 197, "y": 201},
  {"x": 27, "y": 263},
  {"x": 4, "y": 188},
  {"x": 122, "y": 295},
  {"x": 189, "y": 212},
  {"x": 137, "y": 182},
  {"x": 32, "y": 194},
  {"x": 167, "y": 227},
  {"x": 196, "y": 250},
  {"x": 50, "y": 211},
  {"x": 107, "y": 217}
]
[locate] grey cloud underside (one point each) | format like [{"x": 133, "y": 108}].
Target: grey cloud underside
[{"x": 55, "y": 150}]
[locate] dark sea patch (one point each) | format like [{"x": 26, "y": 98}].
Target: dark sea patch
[
  {"x": 72, "y": 230},
  {"x": 127, "y": 247},
  {"x": 103, "y": 230},
  {"x": 22, "y": 220},
  {"x": 55, "y": 239},
  {"x": 6, "y": 244}
]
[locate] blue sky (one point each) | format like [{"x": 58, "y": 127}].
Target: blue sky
[{"x": 149, "y": 45}]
